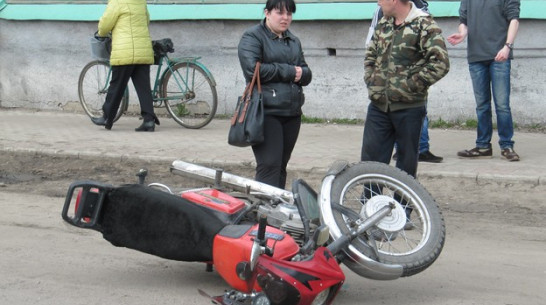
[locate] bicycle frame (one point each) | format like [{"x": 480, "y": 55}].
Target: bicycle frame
[
  {"x": 107, "y": 82},
  {"x": 182, "y": 81}
]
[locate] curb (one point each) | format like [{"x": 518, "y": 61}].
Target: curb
[{"x": 476, "y": 177}]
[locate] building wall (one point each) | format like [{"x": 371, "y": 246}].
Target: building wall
[{"x": 40, "y": 62}]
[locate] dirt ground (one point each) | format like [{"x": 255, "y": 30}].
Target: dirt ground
[
  {"x": 51, "y": 175},
  {"x": 495, "y": 251}
]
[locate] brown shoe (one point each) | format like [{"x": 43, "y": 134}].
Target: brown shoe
[
  {"x": 509, "y": 154},
  {"x": 476, "y": 153}
]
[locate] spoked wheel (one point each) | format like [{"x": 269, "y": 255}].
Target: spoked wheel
[
  {"x": 190, "y": 95},
  {"x": 93, "y": 86},
  {"x": 412, "y": 235}
]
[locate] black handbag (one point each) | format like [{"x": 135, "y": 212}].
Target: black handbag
[{"x": 247, "y": 123}]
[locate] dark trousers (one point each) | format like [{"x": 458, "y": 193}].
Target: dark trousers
[
  {"x": 383, "y": 129},
  {"x": 272, "y": 156},
  {"x": 140, "y": 75}
]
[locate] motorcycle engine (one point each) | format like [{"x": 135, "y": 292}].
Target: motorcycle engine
[{"x": 285, "y": 217}]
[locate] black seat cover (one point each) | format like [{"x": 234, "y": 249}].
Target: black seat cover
[{"x": 158, "y": 223}]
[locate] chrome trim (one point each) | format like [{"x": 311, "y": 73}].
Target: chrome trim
[
  {"x": 235, "y": 182},
  {"x": 161, "y": 185},
  {"x": 355, "y": 260}
]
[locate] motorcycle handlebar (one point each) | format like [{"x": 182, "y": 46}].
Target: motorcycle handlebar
[{"x": 235, "y": 182}]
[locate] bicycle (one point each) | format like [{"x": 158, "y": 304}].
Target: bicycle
[{"x": 184, "y": 86}]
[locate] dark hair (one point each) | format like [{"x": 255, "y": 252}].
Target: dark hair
[{"x": 289, "y": 5}]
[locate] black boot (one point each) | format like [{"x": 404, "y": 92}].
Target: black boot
[
  {"x": 146, "y": 126},
  {"x": 102, "y": 121},
  {"x": 99, "y": 121}
]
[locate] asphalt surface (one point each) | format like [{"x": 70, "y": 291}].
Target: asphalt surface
[{"x": 318, "y": 146}]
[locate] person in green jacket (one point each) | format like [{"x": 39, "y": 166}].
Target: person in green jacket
[
  {"x": 406, "y": 55},
  {"x": 131, "y": 57}
]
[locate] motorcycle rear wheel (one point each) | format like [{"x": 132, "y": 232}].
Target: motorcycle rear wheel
[{"x": 415, "y": 248}]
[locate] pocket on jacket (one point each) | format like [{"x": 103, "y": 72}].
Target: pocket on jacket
[
  {"x": 275, "y": 98},
  {"x": 407, "y": 90},
  {"x": 376, "y": 94},
  {"x": 376, "y": 87}
]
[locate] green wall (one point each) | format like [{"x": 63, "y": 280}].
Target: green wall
[{"x": 530, "y": 9}]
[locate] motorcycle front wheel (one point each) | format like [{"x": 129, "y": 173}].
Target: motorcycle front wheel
[{"x": 416, "y": 242}]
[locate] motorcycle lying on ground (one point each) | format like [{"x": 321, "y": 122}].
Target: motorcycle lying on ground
[{"x": 272, "y": 246}]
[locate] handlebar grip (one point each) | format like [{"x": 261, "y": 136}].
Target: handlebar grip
[
  {"x": 101, "y": 38},
  {"x": 262, "y": 223}
]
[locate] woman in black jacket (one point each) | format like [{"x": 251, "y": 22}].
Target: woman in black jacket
[{"x": 283, "y": 72}]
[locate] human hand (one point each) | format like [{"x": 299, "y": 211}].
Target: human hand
[
  {"x": 456, "y": 38},
  {"x": 503, "y": 54},
  {"x": 299, "y": 72}
]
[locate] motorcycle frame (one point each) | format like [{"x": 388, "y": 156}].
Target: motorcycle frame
[{"x": 356, "y": 261}]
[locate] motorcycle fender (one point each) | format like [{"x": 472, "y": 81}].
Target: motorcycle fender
[
  {"x": 303, "y": 280},
  {"x": 337, "y": 167}
]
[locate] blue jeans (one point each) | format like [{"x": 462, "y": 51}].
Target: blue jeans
[
  {"x": 492, "y": 77},
  {"x": 383, "y": 129},
  {"x": 423, "y": 140}
]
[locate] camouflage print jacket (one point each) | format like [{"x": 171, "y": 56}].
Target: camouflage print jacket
[{"x": 403, "y": 61}]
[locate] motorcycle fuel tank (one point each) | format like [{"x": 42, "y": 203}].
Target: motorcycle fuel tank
[
  {"x": 232, "y": 247},
  {"x": 223, "y": 205}
]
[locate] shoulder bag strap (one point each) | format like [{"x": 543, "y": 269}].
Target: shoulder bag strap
[{"x": 248, "y": 92}]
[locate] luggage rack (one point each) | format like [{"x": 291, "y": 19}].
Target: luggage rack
[{"x": 88, "y": 197}]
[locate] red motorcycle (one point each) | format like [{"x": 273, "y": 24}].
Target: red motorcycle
[{"x": 270, "y": 245}]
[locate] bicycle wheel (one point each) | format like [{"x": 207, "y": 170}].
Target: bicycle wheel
[
  {"x": 93, "y": 86},
  {"x": 190, "y": 95},
  {"x": 416, "y": 242}
]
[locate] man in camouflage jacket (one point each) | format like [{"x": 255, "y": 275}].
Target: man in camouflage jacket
[{"x": 406, "y": 55}]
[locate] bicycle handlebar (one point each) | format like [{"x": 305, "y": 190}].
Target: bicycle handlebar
[{"x": 101, "y": 38}]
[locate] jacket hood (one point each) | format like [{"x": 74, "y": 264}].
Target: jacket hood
[{"x": 415, "y": 13}]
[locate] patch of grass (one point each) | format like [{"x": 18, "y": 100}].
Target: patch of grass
[
  {"x": 223, "y": 116},
  {"x": 457, "y": 124},
  {"x": 441, "y": 124},
  {"x": 312, "y": 120},
  {"x": 535, "y": 126},
  {"x": 471, "y": 123},
  {"x": 181, "y": 110},
  {"x": 305, "y": 119}
]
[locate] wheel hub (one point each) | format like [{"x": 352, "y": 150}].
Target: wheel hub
[{"x": 394, "y": 221}]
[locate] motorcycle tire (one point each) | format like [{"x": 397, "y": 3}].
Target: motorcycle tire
[{"x": 419, "y": 243}]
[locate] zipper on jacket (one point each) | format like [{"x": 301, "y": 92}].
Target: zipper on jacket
[{"x": 388, "y": 71}]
